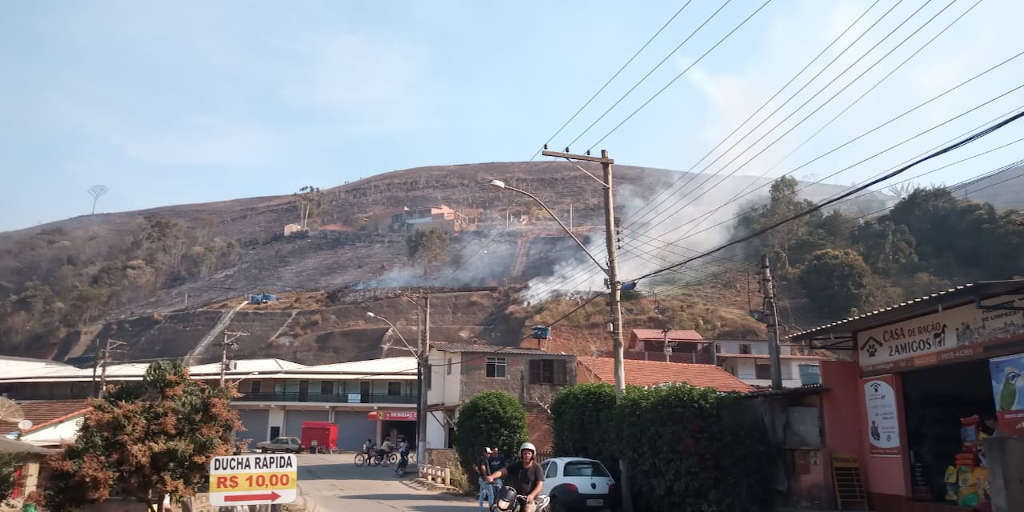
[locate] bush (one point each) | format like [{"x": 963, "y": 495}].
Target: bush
[
  {"x": 583, "y": 418},
  {"x": 687, "y": 448},
  {"x": 837, "y": 281},
  {"x": 491, "y": 418}
]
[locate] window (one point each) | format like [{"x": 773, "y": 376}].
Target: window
[
  {"x": 552, "y": 471},
  {"x": 496, "y": 367},
  {"x": 585, "y": 468},
  {"x": 745, "y": 348},
  {"x": 394, "y": 388},
  {"x": 449, "y": 371},
  {"x": 429, "y": 376},
  {"x": 763, "y": 371},
  {"x": 547, "y": 371},
  {"x": 718, "y": 348},
  {"x": 255, "y": 386},
  {"x": 326, "y": 388}
]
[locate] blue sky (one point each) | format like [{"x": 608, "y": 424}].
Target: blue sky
[{"x": 181, "y": 102}]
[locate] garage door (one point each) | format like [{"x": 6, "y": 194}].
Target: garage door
[
  {"x": 255, "y": 423},
  {"x": 293, "y": 421},
  {"x": 354, "y": 429}
]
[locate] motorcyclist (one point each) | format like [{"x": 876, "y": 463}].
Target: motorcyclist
[{"x": 524, "y": 475}]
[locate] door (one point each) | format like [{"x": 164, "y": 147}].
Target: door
[
  {"x": 303, "y": 390},
  {"x": 255, "y": 424},
  {"x": 364, "y": 392},
  {"x": 354, "y": 429},
  {"x": 275, "y": 432}
]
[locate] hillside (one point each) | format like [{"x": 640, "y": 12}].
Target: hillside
[
  {"x": 1004, "y": 188},
  {"x": 149, "y": 275}
]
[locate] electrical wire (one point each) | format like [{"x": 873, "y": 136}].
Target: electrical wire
[
  {"x": 819, "y": 206},
  {"x": 609, "y": 81}
]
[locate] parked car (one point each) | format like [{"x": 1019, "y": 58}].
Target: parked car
[
  {"x": 280, "y": 444},
  {"x": 575, "y": 483}
]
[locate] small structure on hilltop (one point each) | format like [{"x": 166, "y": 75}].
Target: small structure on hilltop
[{"x": 408, "y": 219}]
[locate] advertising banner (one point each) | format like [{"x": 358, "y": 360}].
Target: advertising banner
[
  {"x": 1008, "y": 390},
  {"x": 258, "y": 479},
  {"x": 883, "y": 418},
  {"x": 956, "y": 334}
]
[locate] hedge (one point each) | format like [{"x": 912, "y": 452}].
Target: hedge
[{"x": 687, "y": 448}]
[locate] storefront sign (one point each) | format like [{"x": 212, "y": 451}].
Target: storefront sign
[
  {"x": 959, "y": 333},
  {"x": 392, "y": 415},
  {"x": 883, "y": 417},
  {"x": 259, "y": 479},
  {"x": 1007, "y": 376}
]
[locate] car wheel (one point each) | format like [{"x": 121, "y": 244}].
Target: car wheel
[
  {"x": 263, "y": 450},
  {"x": 557, "y": 506}
]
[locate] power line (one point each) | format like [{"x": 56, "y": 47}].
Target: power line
[
  {"x": 677, "y": 77},
  {"x": 613, "y": 77},
  {"x": 649, "y": 73},
  {"x": 851, "y": 105},
  {"x": 807, "y": 101},
  {"x": 744, "y": 193},
  {"x": 666, "y": 193},
  {"x": 819, "y": 206}
]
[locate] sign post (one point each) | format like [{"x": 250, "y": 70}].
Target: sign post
[{"x": 256, "y": 479}]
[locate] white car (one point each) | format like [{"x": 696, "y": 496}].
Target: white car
[{"x": 575, "y": 483}]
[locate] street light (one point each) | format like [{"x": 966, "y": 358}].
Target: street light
[
  {"x": 421, "y": 400},
  {"x": 501, "y": 185}
]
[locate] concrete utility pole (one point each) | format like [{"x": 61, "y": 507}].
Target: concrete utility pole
[
  {"x": 228, "y": 342},
  {"x": 424, "y": 370},
  {"x": 107, "y": 347},
  {"x": 614, "y": 286},
  {"x": 772, "y": 321}
]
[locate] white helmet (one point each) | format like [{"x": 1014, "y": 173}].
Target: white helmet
[{"x": 528, "y": 446}]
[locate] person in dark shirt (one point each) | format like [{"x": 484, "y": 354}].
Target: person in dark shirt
[{"x": 524, "y": 475}]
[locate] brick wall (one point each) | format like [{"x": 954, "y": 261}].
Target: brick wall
[{"x": 516, "y": 381}]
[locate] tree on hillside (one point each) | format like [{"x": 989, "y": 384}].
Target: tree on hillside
[
  {"x": 493, "y": 419},
  {"x": 427, "y": 247},
  {"x": 310, "y": 201},
  {"x": 835, "y": 281},
  {"x": 146, "y": 440},
  {"x": 885, "y": 246},
  {"x": 783, "y": 202}
]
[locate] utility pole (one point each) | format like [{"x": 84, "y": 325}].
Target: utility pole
[
  {"x": 772, "y": 320},
  {"x": 228, "y": 342},
  {"x": 424, "y": 369},
  {"x": 110, "y": 344},
  {"x": 614, "y": 288},
  {"x": 665, "y": 346},
  {"x": 570, "y": 216}
]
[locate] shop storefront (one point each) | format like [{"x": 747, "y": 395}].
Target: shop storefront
[
  {"x": 932, "y": 379},
  {"x": 394, "y": 425}
]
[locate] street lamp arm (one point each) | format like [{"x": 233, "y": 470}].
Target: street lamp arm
[
  {"x": 414, "y": 352},
  {"x": 560, "y": 223}
]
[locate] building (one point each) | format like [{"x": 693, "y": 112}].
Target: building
[
  {"x": 366, "y": 399},
  {"x": 658, "y": 373},
  {"x": 458, "y": 372},
  {"x": 413, "y": 219},
  {"x": 681, "y": 346},
  {"x": 746, "y": 359},
  {"x": 52, "y": 423},
  {"x": 930, "y": 376},
  {"x": 749, "y": 360}
]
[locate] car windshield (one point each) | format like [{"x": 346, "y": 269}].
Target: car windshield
[{"x": 584, "y": 468}]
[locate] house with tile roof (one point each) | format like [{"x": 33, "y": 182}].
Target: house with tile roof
[
  {"x": 657, "y": 373},
  {"x": 53, "y": 423}
]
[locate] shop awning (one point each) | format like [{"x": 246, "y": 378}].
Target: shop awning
[
  {"x": 391, "y": 416},
  {"x": 843, "y": 330}
]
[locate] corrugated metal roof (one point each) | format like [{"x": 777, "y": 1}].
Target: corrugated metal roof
[
  {"x": 456, "y": 347},
  {"x": 910, "y": 308}
]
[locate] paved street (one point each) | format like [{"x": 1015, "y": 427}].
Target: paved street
[{"x": 334, "y": 483}]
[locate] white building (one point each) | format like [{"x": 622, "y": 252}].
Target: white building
[{"x": 749, "y": 360}]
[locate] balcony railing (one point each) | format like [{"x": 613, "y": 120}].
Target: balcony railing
[{"x": 350, "y": 398}]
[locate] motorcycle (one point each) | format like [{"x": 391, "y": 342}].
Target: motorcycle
[{"x": 507, "y": 499}]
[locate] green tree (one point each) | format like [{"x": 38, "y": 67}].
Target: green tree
[
  {"x": 885, "y": 246},
  {"x": 493, "y": 419},
  {"x": 146, "y": 440},
  {"x": 835, "y": 281}
]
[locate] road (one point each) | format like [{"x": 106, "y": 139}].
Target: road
[{"x": 334, "y": 483}]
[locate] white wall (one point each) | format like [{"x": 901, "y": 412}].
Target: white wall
[
  {"x": 445, "y": 378},
  {"x": 57, "y": 434},
  {"x": 436, "y": 431},
  {"x": 733, "y": 347},
  {"x": 276, "y": 420}
]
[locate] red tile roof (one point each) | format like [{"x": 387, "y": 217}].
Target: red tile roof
[
  {"x": 673, "y": 335},
  {"x": 653, "y": 373},
  {"x": 46, "y": 412}
]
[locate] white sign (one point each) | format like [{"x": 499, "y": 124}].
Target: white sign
[
  {"x": 952, "y": 329},
  {"x": 257, "y": 479},
  {"x": 883, "y": 417}
]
